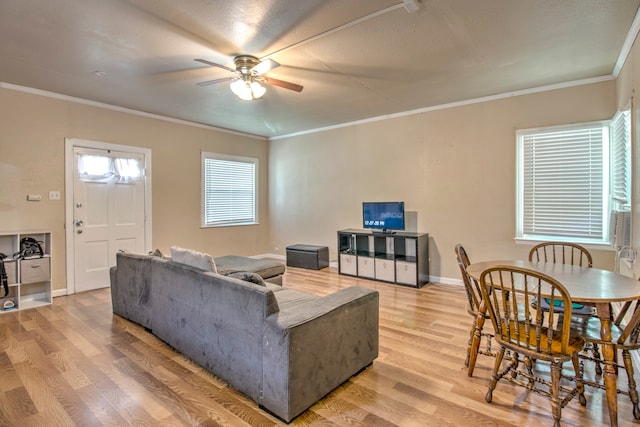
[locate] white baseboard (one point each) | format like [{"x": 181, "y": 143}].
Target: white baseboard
[
  {"x": 58, "y": 293},
  {"x": 270, "y": 256},
  {"x": 446, "y": 280}
]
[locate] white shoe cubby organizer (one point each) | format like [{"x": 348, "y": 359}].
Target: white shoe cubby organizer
[{"x": 29, "y": 278}]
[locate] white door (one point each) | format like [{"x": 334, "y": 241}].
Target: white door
[{"x": 108, "y": 212}]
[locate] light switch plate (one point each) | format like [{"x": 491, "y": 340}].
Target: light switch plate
[{"x": 54, "y": 195}]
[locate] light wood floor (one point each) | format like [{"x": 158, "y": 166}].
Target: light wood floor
[{"x": 75, "y": 363}]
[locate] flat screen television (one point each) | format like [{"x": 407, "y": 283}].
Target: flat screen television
[{"x": 385, "y": 216}]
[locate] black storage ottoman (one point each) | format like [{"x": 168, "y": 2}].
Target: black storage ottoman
[{"x": 308, "y": 256}]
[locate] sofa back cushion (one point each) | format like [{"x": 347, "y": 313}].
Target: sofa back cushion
[
  {"x": 216, "y": 321},
  {"x": 193, "y": 258}
]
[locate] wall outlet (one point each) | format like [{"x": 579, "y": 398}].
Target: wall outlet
[{"x": 54, "y": 195}]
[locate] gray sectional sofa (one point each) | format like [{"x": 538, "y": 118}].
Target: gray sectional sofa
[{"x": 282, "y": 348}]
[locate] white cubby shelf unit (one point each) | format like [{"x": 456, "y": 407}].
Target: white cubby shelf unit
[{"x": 29, "y": 278}]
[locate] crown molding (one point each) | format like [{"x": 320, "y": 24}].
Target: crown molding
[{"x": 61, "y": 97}]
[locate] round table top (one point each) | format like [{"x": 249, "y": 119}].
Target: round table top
[{"x": 584, "y": 284}]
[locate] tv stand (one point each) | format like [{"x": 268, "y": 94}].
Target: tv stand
[
  {"x": 398, "y": 257},
  {"x": 383, "y": 231}
]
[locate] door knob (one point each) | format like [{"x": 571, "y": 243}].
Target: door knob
[
  {"x": 79, "y": 222},
  {"x": 79, "y": 231}
]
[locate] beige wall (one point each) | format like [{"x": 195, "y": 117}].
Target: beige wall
[
  {"x": 32, "y": 133},
  {"x": 455, "y": 167}
]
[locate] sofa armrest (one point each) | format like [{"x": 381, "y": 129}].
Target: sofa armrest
[
  {"x": 312, "y": 348},
  {"x": 131, "y": 288}
]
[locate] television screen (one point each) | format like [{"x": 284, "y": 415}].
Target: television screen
[{"x": 383, "y": 215}]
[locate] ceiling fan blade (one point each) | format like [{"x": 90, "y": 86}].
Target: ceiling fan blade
[
  {"x": 211, "y": 82},
  {"x": 264, "y": 66},
  {"x": 213, "y": 64},
  {"x": 282, "y": 83}
]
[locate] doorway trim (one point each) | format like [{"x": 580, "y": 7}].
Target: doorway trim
[{"x": 69, "y": 145}]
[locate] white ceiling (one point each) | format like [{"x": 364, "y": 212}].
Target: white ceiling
[{"x": 357, "y": 59}]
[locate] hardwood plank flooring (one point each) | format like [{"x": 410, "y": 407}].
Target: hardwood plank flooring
[{"x": 75, "y": 363}]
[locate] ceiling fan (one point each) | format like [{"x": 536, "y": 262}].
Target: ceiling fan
[{"x": 249, "y": 74}]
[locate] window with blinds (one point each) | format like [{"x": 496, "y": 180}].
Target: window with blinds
[
  {"x": 570, "y": 178},
  {"x": 229, "y": 190},
  {"x": 621, "y": 160}
]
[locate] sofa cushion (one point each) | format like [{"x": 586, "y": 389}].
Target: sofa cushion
[
  {"x": 289, "y": 299},
  {"x": 193, "y": 258},
  {"x": 248, "y": 276},
  {"x": 234, "y": 263}
]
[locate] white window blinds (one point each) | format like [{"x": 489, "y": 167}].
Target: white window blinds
[
  {"x": 621, "y": 159},
  {"x": 229, "y": 190},
  {"x": 562, "y": 184}
]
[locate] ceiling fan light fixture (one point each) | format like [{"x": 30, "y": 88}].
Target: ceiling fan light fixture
[
  {"x": 249, "y": 80},
  {"x": 247, "y": 89},
  {"x": 239, "y": 87},
  {"x": 257, "y": 90}
]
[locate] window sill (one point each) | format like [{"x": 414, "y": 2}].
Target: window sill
[{"x": 236, "y": 224}]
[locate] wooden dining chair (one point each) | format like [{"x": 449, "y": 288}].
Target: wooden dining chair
[
  {"x": 563, "y": 253},
  {"x": 474, "y": 297},
  {"x": 574, "y": 254},
  {"x": 625, "y": 337},
  {"x": 532, "y": 335}
]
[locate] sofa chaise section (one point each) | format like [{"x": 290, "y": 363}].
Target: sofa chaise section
[
  {"x": 270, "y": 271},
  {"x": 314, "y": 346}
]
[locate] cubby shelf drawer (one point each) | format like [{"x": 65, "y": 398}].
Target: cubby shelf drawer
[
  {"x": 348, "y": 264},
  {"x": 366, "y": 267},
  {"x": 406, "y": 273},
  {"x": 35, "y": 270},
  {"x": 385, "y": 270},
  {"x": 11, "y": 268}
]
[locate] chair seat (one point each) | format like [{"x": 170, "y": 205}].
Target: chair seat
[
  {"x": 558, "y": 307},
  {"x": 589, "y": 329},
  {"x": 576, "y": 343}
]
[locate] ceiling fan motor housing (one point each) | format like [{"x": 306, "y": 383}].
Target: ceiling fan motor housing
[{"x": 244, "y": 63}]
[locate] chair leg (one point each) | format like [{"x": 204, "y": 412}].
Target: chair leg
[
  {"x": 471, "y": 332},
  {"x": 488, "y": 350},
  {"x": 494, "y": 376},
  {"x": 514, "y": 365},
  {"x": 528, "y": 362},
  {"x": 556, "y": 408},
  {"x": 633, "y": 393},
  {"x": 579, "y": 383},
  {"x": 597, "y": 357},
  {"x": 475, "y": 343}
]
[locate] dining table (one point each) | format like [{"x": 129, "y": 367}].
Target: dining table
[{"x": 585, "y": 285}]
